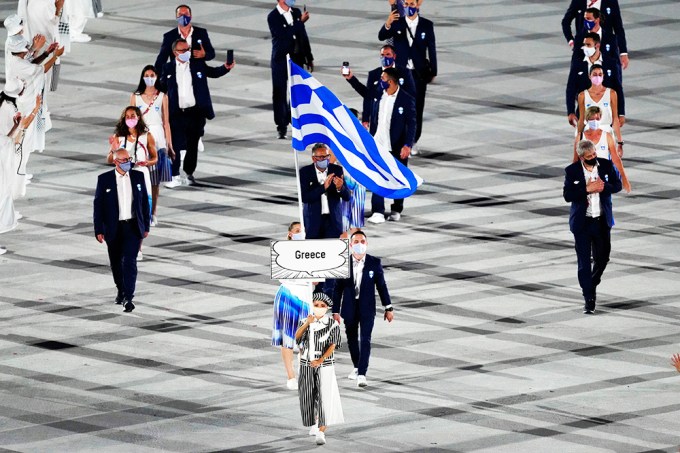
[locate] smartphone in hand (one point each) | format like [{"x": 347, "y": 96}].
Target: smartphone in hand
[
  {"x": 345, "y": 68},
  {"x": 230, "y": 56}
]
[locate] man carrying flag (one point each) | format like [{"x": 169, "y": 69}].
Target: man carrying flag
[{"x": 319, "y": 117}]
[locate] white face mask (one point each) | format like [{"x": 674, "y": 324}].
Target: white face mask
[
  {"x": 589, "y": 51},
  {"x": 593, "y": 124},
  {"x": 320, "y": 312},
  {"x": 184, "y": 57},
  {"x": 150, "y": 81},
  {"x": 298, "y": 236},
  {"x": 359, "y": 248}
]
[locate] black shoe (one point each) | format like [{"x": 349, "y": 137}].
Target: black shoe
[
  {"x": 589, "y": 307},
  {"x": 129, "y": 306},
  {"x": 282, "y": 135},
  {"x": 119, "y": 299},
  {"x": 587, "y": 311}
]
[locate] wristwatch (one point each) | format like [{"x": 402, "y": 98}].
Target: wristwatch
[
  {"x": 620, "y": 143},
  {"x": 389, "y": 309}
]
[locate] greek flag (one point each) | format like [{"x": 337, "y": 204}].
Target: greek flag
[{"x": 319, "y": 117}]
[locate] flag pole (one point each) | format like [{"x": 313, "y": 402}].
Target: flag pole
[{"x": 295, "y": 154}]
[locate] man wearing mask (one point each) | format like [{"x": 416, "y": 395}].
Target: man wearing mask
[
  {"x": 185, "y": 80},
  {"x": 122, "y": 218},
  {"x": 289, "y": 37},
  {"x": 372, "y": 88},
  {"x": 588, "y": 186},
  {"x": 196, "y": 37},
  {"x": 579, "y": 79},
  {"x": 393, "y": 125},
  {"x": 414, "y": 41},
  {"x": 611, "y": 18},
  {"x": 354, "y": 302},
  {"x": 323, "y": 187}
]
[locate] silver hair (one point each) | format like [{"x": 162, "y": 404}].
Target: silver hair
[
  {"x": 584, "y": 146},
  {"x": 115, "y": 153}
]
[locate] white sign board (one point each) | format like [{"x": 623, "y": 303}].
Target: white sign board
[{"x": 310, "y": 259}]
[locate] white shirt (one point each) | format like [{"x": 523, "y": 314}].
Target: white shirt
[
  {"x": 185, "y": 87},
  {"x": 412, "y": 24},
  {"x": 288, "y": 15},
  {"x": 358, "y": 268},
  {"x": 591, "y": 63},
  {"x": 382, "y": 133},
  {"x": 124, "y": 188},
  {"x": 593, "y": 209},
  {"x": 321, "y": 177},
  {"x": 188, "y": 37}
]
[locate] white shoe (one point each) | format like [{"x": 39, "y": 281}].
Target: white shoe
[
  {"x": 3, "y": 250},
  {"x": 154, "y": 220},
  {"x": 361, "y": 381},
  {"x": 29, "y": 176},
  {"x": 314, "y": 430},
  {"x": 395, "y": 216},
  {"x": 292, "y": 384},
  {"x": 82, "y": 37},
  {"x": 27, "y": 182},
  {"x": 140, "y": 256},
  {"x": 201, "y": 148},
  {"x": 376, "y": 218},
  {"x": 320, "y": 438},
  {"x": 414, "y": 150},
  {"x": 176, "y": 182},
  {"x": 353, "y": 374},
  {"x": 100, "y": 14},
  {"x": 18, "y": 215}
]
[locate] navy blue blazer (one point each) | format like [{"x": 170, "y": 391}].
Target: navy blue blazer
[
  {"x": 579, "y": 81},
  {"x": 106, "y": 210},
  {"x": 608, "y": 46},
  {"x": 424, "y": 45},
  {"x": 311, "y": 192},
  {"x": 372, "y": 88},
  {"x": 574, "y": 192},
  {"x": 288, "y": 40},
  {"x": 403, "y": 122},
  {"x": 344, "y": 294},
  {"x": 612, "y": 22},
  {"x": 199, "y": 80},
  {"x": 199, "y": 36}
]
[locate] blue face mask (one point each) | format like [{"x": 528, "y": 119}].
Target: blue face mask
[
  {"x": 183, "y": 20},
  {"x": 386, "y": 62},
  {"x": 590, "y": 24},
  {"x": 322, "y": 164},
  {"x": 411, "y": 10},
  {"x": 185, "y": 56},
  {"x": 290, "y": 3},
  {"x": 126, "y": 166},
  {"x": 384, "y": 85}
]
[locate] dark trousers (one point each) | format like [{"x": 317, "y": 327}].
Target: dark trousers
[
  {"x": 594, "y": 239},
  {"x": 328, "y": 229},
  {"x": 280, "y": 90},
  {"x": 378, "y": 202},
  {"x": 358, "y": 332},
  {"x": 123, "y": 249},
  {"x": 421, "y": 90},
  {"x": 187, "y": 129}
]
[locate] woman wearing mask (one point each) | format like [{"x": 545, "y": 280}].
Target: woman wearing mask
[
  {"x": 318, "y": 336},
  {"x": 606, "y": 99},
  {"x": 154, "y": 107},
  {"x": 292, "y": 303},
  {"x": 600, "y": 135}
]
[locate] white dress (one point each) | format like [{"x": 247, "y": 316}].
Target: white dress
[
  {"x": 153, "y": 117},
  {"x": 605, "y": 105},
  {"x": 8, "y": 220}
]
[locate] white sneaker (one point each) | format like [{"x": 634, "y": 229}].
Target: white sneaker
[
  {"x": 376, "y": 218},
  {"x": 27, "y": 181},
  {"x": 154, "y": 220},
  {"x": 100, "y": 14},
  {"x": 82, "y": 37},
  {"x": 201, "y": 148},
  {"x": 314, "y": 430},
  {"x": 320, "y": 438},
  {"x": 29, "y": 176},
  {"x": 353, "y": 374},
  {"x": 18, "y": 215},
  {"x": 395, "y": 216},
  {"x": 361, "y": 381},
  {"x": 414, "y": 150},
  {"x": 292, "y": 384},
  {"x": 176, "y": 182},
  {"x": 3, "y": 250},
  {"x": 140, "y": 256}
]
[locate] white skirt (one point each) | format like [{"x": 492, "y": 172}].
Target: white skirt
[{"x": 330, "y": 396}]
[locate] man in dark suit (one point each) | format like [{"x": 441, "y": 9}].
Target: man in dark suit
[
  {"x": 197, "y": 37},
  {"x": 354, "y": 301},
  {"x": 121, "y": 218},
  {"x": 393, "y": 125},
  {"x": 185, "y": 80},
  {"x": 289, "y": 37},
  {"x": 588, "y": 186},
  {"x": 579, "y": 79},
  {"x": 388, "y": 59},
  {"x": 609, "y": 16},
  {"x": 323, "y": 188},
  {"x": 414, "y": 41}
]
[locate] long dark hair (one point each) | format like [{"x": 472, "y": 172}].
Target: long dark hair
[
  {"x": 142, "y": 86},
  {"x": 121, "y": 128},
  {"x": 10, "y": 99}
]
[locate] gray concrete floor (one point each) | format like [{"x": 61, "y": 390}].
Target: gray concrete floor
[{"x": 489, "y": 350}]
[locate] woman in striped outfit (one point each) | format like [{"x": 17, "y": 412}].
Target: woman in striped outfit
[
  {"x": 318, "y": 336},
  {"x": 292, "y": 303}
]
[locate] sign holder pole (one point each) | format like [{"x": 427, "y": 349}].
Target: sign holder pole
[{"x": 295, "y": 154}]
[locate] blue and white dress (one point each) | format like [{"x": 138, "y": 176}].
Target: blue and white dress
[
  {"x": 292, "y": 303},
  {"x": 353, "y": 210}
]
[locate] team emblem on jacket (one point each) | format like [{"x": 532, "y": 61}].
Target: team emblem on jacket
[
  {"x": 607, "y": 47},
  {"x": 370, "y": 274},
  {"x": 422, "y": 35},
  {"x": 401, "y": 110},
  {"x": 199, "y": 75},
  {"x": 139, "y": 187},
  {"x": 606, "y": 178}
]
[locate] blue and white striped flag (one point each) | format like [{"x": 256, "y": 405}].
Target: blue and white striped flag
[{"x": 319, "y": 117}]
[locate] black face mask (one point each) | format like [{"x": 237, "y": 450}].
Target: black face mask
[{"x": 590, "y": 162}]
